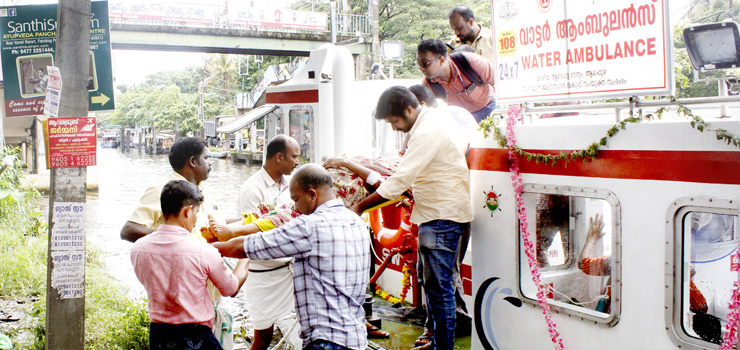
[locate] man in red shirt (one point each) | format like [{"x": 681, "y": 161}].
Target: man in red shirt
[{"x": 459, "y": 90}]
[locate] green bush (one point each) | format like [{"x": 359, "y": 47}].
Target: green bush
[{"x": 112, "y": 321}]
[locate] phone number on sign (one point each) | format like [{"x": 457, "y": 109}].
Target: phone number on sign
[{"x": 73, "y": 161}]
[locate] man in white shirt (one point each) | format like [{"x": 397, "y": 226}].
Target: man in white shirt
[
  {"x": 467, "y": 126},
  {"x": 434, "y": 166},
  {"x": 269, "y": 292}
]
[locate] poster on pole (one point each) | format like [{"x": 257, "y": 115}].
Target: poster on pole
[
  {"x": 67, "y": 243},
  {"x": 555, "y": 50},
  {"x": 29, "y": 34},
  {"x": 53, "y": 92},
  {"x": 70, "y": 142}
]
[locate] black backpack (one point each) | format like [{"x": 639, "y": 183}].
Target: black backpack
[{"x": 464, "y": 66}]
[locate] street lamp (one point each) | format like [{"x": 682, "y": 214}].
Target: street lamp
[
  {"x": 392, "y": 50},
  {"x": 713, "y": 45}
]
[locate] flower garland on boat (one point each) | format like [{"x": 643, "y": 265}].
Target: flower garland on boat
[
  {"x": 383, "y": 294},
  {"x": 514, "y": 115},
  {"x": 729, "y": 338},
  {"x": 490, "y": 127},
  {"x": 406, "y": 284}
]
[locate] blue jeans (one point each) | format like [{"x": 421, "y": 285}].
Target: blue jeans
[
  {"x": 321, "y": 344},
  {"x": 438, "y": 241},
  {"x": 484, "y": 112},
  {"x": 163, "y": 336}
]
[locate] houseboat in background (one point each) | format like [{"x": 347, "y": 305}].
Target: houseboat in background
[{"x": 111, "y": 138}]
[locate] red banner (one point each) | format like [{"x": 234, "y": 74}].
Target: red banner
[{"x": 70, "y": 142}]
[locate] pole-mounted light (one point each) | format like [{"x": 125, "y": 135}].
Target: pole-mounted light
[{"x": 713, "y": 45}]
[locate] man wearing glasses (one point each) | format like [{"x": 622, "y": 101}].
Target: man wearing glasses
[{"x": 442, "y": 71}]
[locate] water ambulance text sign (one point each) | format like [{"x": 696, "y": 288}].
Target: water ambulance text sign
[
  {"x": 551, "y": 50},
  {"x": 70, "y": 142}
]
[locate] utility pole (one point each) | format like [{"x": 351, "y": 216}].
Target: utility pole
[
  {"x": 65, "y": 316},
  {"x": 375, "y": 28},
  {"x": 333, "y": 14}
]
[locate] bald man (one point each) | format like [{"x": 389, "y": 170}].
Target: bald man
[
  {"x": 269, "y": 292},
  {"x": 332, "y": 262}
]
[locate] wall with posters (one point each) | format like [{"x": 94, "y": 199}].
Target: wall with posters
[{"x": 550, "y": 50}]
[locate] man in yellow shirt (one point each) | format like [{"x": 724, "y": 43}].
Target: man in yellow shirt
[
  {"x": 469, "y": 32},
  {"x": 189, "y": 159}
]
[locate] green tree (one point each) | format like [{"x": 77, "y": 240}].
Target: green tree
[
  {"x": 412, "y": 21},
  {"x": 186, "y": 79}
]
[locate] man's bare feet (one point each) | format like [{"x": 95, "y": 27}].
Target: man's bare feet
[{"x": 220, "y": 231}]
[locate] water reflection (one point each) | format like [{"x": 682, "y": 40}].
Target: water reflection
[{"x": 122, "y": 180}]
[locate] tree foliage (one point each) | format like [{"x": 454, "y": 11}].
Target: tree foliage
[{"x": 413, "y": 21}]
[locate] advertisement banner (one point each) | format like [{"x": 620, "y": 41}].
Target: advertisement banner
[
  {"x": 29, "y": 35},
  {"x": 53, "y": 92},
  {"x": 263, "y": 14},
  {"x": 70, "y": 142},
  {"x": 554, "y": 50},
  {"x": 164, "y": 11}
]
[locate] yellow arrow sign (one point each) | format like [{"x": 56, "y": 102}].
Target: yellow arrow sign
[{"x": 102, "y": 99}]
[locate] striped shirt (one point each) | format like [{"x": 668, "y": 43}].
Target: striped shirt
[{"x": 332, "y": 264}]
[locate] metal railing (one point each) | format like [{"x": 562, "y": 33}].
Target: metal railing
[
  {"x": 634, "y": 106},
  {"x": 181, "y": 15},
  {"x": 353, "y": 24}
]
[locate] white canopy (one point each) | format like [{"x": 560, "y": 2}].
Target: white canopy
[{"x": 246, "y": 119}]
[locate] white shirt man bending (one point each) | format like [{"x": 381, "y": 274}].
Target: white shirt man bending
[{"x": 269, "y": 292}]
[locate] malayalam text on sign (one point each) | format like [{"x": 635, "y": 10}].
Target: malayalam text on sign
[
  {"x": 70, "y": 142},
  {"x": 558, "y": 50}
]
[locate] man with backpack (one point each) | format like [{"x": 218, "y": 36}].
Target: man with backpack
[{"x": 462, "y": 79}]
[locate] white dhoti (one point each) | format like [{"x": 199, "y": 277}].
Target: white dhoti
[{"x": 269, "y": 294}]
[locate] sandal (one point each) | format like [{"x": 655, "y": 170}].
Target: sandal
[
  {"x": 424, "y": 338},
  {"x": 375, "y": 332}
]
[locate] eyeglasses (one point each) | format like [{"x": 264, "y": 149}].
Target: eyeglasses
[{"x": 425, "y": 64}]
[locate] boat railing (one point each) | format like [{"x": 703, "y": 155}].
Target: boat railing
[{"x": 634, "y": 106}]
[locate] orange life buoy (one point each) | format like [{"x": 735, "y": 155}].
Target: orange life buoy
[{"x": 382, "y": 222}]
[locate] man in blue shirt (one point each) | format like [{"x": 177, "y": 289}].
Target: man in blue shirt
[{"x": 332, "y": 261}]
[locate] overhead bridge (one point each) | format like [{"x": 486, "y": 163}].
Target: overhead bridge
[{"x": 235, "y": 39}]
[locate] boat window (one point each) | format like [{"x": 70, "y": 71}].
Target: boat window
[
  {"x": 706, "y": 243},
  {"x": 579, "y": 270},
  {"x": 300, "y": 122}
]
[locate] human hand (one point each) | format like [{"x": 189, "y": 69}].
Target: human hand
[
  {"x": 405, "y": 203},
  {"x": 595, "y": 228},
  {"x": 233, "y": 248},
  {"x": 242, "y": 266},
  {"x": 207, "y": 233},
  {"x": 334, "y": 162}
]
